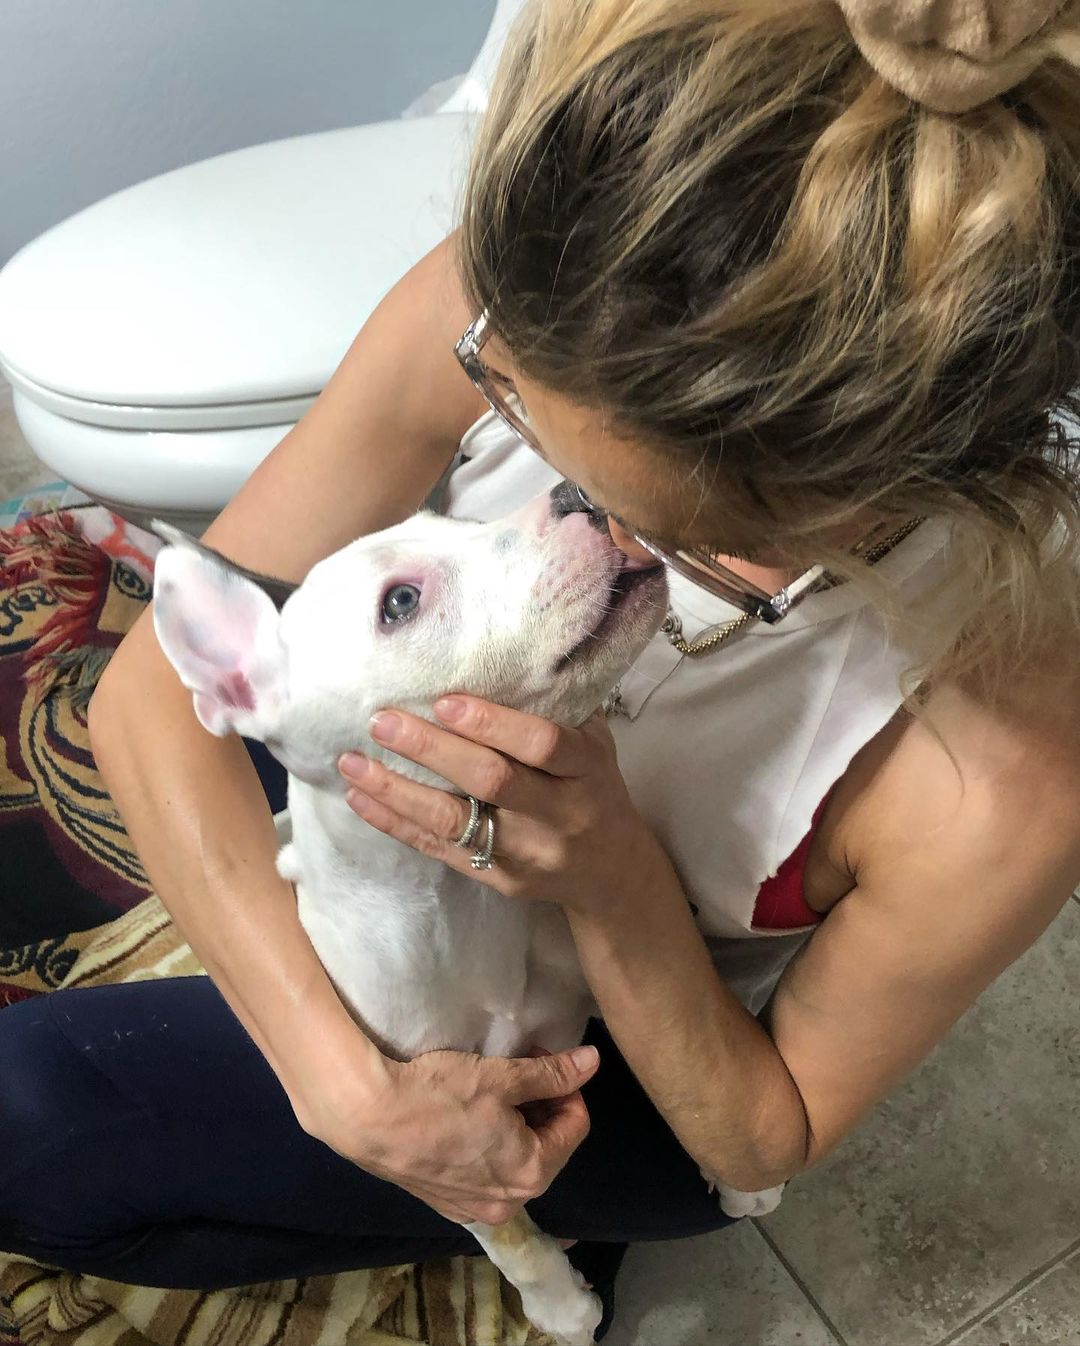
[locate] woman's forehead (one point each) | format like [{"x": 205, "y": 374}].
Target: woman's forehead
[
  {"x": 649, "y": 488},
  {"x": 582, "y": 443}
]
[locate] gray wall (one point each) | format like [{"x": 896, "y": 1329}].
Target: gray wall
[{"x": 98, "y": 94}]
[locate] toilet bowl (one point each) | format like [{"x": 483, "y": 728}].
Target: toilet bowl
[{"x": 162, "y": 341}]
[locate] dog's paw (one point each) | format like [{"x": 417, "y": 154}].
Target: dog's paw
[
  {"x": 572, "y": 1320},
  {"x": 739, "y": 1204},
  {"x": 288, "y": 863}
]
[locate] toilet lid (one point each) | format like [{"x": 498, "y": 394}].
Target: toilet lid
[{"x": 236, "y": 283}]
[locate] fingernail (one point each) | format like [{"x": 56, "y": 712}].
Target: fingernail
[
  {"x": 584, "y": 1057},
  {"x": 450, "y": 708},
  {"x": 353, "y": 765},
  {"x": 386, "y": 726}
]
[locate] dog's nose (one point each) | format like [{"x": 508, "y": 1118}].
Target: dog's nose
[{"x": 566, "y": 500}]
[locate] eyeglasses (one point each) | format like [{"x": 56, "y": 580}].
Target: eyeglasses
[
  {"x": 696, "y": 564},
  {"x": 500, "y": 391}
]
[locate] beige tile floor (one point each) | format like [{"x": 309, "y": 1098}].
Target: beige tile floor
[{"x": 951, "y": 1219}]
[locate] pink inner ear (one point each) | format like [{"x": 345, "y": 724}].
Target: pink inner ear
[{"x": 235, "y": 691}]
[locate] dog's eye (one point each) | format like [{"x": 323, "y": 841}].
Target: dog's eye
[{"x": 399, "y": 602}]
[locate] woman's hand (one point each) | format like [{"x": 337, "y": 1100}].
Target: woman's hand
[
  {"x": 451, "y": 1128},
  {"x": 566, "y": 828}
]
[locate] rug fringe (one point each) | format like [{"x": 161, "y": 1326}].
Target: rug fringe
[{"x": 48, "y": 549}]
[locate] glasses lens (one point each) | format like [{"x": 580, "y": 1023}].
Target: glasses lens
[
  {"x": 511, "y": 400},
  {"x": 502, "y": 398},
  {"x": 507, "y": 405}
]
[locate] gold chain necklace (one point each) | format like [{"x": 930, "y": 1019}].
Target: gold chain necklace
[
  {"x": 718, "y": 636},
  {"x": 713, "y": 638}
]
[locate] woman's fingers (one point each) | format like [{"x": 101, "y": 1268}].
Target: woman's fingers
[
  {"x": 561, "y": 1131},
  {"x": 530, "y": 739},
  {"x": 431, "y": 821},
  {"x": 476, "y": 770},
  {"x": 391, "y": 823},
  {"x": 527, "y": 1078},
  {"x": 560, "y": 1123},
  {"x": 444, "y": 815}
]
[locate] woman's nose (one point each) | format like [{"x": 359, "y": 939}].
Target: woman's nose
[{"x": 625, "y": 542}]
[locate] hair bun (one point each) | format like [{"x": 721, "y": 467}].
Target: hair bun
[{"x": 952, "y": 55}]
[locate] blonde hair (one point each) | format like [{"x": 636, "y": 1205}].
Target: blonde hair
[{"x": 814, "y": 300}]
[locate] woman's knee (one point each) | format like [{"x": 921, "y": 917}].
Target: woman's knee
[
  {"x": 59, "y": 1138},
  {"x": 37, "y": 1083}
]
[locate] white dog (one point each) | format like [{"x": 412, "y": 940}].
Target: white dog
[{"x": 538, "y": 611}]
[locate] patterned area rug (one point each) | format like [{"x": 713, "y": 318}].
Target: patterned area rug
[
  {"x": 71, "y": 585},
  {"x": 75, "y": 910}
]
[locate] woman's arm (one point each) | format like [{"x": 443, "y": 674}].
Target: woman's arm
[
  {"x": 964, "y": 843},
  {"x": 365, "y": 455}
]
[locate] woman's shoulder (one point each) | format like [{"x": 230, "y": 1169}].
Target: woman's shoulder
[{"x": 984, "y": 792}]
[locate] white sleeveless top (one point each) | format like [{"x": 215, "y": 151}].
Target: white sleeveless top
[{"x": 729, "y": 754}]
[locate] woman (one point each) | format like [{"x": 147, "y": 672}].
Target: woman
[{"x": 783, "y": 284}]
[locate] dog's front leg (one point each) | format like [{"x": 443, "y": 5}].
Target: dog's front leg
[{"x": 553, "y": 1293}]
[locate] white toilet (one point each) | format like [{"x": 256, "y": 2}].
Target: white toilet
[{"x": 162, "y": 341}]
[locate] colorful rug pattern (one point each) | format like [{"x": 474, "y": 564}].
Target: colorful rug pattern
[{"x": 71, "y": 584}]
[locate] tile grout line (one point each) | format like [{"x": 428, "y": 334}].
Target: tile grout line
[
  {"x": 1032, "y": 1278},
  {"x": 808, "y": 1294}
]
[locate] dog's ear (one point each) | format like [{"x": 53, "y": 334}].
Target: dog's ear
[
  {"x": 219, "y": 630},
  {"x": 279, "y": 590}
]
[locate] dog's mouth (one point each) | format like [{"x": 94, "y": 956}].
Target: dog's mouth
[{"x": 629, "y": 585}]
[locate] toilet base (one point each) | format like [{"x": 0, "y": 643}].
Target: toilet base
[{"x": 184, "y": 477}]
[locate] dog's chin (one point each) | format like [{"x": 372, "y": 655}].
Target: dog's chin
[
  {"x": 633, "y": 608},
  {"x": 582, "y": 677},
  {"x": 632, "y": 616}
]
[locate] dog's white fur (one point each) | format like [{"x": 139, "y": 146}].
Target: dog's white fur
[{"x": 423, "y": 957}]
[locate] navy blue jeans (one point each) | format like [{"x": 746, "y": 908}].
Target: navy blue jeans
[{"x": 143, "y": 1137}]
